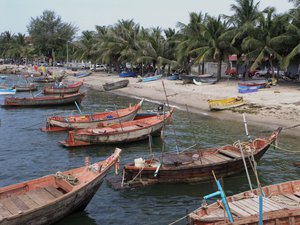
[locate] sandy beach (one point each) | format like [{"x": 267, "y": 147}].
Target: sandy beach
[{"x": 268, "y": 108}]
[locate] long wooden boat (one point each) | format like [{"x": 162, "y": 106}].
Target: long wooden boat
[
  {"x": 62, "y": 123},
  {"x": 195, "y": 165},
  {"x": 280, "y": 205},
  {"x": 23, "y": 88},
  {"x": 7, "y": 91},
  {"x": 127, "y": 74},
  {"x": 152, "y": 78},
  {"x": 49, "y": 199},
  {"x": 129, "y": 131},
  {"x": 83, "y": 74},
  {"x": 226, "y": 103},
  {"x": 71, "y": 88},
  {"x": 115, "y": 85},
  {"x": 200, "y": 81},
  {"x": 43, "y": 100},
  {"x": 252, "y": 83},
  {"x": 188, "y": 78}
]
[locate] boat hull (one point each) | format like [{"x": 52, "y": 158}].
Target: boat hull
[
  {"x": 43, "y": 101},
  {"x": 7, "y": 91},
  {"x": 91, "y": 121},
  {"x": 115, "y": 85},
  {"x": 62, "y": 90},
  {"x": 26, "y": 88},
  {"x": 193, "y": 174}
]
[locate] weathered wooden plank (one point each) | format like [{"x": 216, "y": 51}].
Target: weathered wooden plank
[
  {"x": 230, "y": 153},
  {"x": 10, "y": 206},
  {"x": 19, "y": 203},
  {"x": 4, "y": 212},
  {"x": 273, "y": 204},
  {"x": 266, "y": 207},
  {"x": 45, "y": 195},
  {"x": 53, "y": 191},
  {"x": 293, "y": 197},
  {"x": 237, "y": 210},
  {"x": 244, "y": 207},
  {"x": 207, "y": 159},
  {"x": 28, "y": 201},
  {"x": 223, "y": 157},
  {"x": 297, "y": 194},
  {"x": 214, "y": 158},
  {"x": 32, "y": 194}
]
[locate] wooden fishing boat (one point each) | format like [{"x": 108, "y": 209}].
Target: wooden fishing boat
[
  {"x": 280, "y": 205},
  {"x": 27, "y": 87},
  {"x": 195, "y": 165},
  {"x": 188, "y": 78},
  {"x": 62, "y": 123},
  {"x": 71, "y": 88},
  {"x": 148, "y": 79},
  {"x": 200, "y": 81},
  {"x": 49, "y": 199},
  {"x": 127, "y": 74},
  {"x": 253, "y": 83},
  {"x": 115, "y": 85},
  {"x": 7, "y": 91},
  {"x": 129, "y": 131},
  {"x": 82, "y": 74},
  {"x": 43, "y": 100},
  {"x": 226, "y": 103}
]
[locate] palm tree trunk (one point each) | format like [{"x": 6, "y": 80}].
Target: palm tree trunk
[{"x": 219, "y": 70}]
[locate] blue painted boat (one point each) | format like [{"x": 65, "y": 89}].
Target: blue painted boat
[
  {"x": 7, "y": 91},
  {"x": 152, "y": 78},
  {"x": 3, "y": 77},
  {"x": 247, "y": 89},
  {"x": 82, "y": 74},
  {"x": 127, "y": 74}
]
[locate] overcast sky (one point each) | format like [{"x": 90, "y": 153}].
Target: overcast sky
[{"x": 85, "y": 14}]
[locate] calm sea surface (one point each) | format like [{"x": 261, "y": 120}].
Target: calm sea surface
[{"x": 27, "y": 153}]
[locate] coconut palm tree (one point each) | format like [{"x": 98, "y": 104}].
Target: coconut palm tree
[
  {"x": 260, "y": 44},
  {"x": 216, "y": 37},
  {"x": 189, "y": 38}
]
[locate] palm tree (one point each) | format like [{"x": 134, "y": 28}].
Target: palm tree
[
  {"x": 216, "y": 37},
  {"x": 260, "y": 44},
  {"x": 189, "y": 38},
  {"x": 244, "y": 20}
]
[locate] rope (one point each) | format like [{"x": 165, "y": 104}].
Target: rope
[{"x": 69, "y": 178}]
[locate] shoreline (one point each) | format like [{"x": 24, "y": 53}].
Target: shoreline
[{"x": 269, "y": 108}]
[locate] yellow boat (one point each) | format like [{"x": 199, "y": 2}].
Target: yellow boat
[{"x": 225, "y": 103}]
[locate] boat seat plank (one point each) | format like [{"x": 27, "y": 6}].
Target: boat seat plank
[
  {"x": 266, "y": 207},
  {"x": 19, "y": 203},
  {"x": 297, "y": 194},
  {"x": 237, "y": 210},
  {"x": 53, "y": 191},
  {"x": 215, "y": 158},
  {"x": 230, "y": 153},
  {"x": 223, "y": 157},
  {"x": 10, "y": 206},
  {"x": 293, "y": 197},
  {"x": 284, "y": 201},
  {"x": 28, "y": 201},
  {"x": 35, "y": 197},
  {"x": 4, "y": 212},
  {"x": 209, "y": 160},
  {"x": 273, "y": 204},
  {"x": 244, "y": 207},
  {"x": 45, "y": 195}
]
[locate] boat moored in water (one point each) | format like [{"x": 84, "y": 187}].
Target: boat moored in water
[{"x": 68, "y": 89}]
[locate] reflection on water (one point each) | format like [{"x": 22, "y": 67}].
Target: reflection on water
[{"x": 27, "y": 153}]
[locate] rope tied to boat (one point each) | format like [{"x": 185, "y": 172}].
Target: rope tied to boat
[
  {"x": 282, "y": 149},
  {"x": 69, "y": 178},
  {"x": 94, "y": 168}
]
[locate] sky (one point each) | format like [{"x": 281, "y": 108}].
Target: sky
[{"x": 15, "y": 15}]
